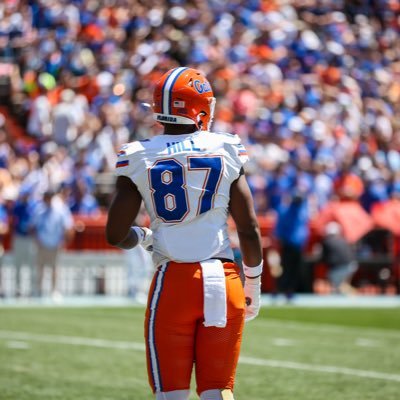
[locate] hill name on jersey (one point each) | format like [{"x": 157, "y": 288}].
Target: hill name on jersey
[{"x": 185, "y": 145}]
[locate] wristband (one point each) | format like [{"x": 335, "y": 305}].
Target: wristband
[
  {"x": 253, "y": 272},
  {"x": 140, "y": 233}
]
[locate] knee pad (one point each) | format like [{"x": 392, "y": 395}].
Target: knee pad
[
  {"x": 217, "y": 394},
  {"x": 173, "y": 395}
]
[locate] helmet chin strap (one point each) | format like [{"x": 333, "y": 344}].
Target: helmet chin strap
[
  {"x": 200, "y": 123},
  {"x": 212, "y": 101}
]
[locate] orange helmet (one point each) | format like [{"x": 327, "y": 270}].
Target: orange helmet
[{"x": 184, "y": 96}]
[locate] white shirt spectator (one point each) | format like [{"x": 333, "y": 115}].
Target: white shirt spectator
[
  {"x": 64, "y": 119},
  {"x": 39, "y": 119}
]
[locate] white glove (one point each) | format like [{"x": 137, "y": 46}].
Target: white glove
[
  {"x": 145, "y": 237},
  {"x": 147, "y": 242},
  {"x": 252, "y": 293},
  {"x": 252, "y": 290}
]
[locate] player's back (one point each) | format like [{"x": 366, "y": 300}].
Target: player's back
[{"x": 185, "y": 183}]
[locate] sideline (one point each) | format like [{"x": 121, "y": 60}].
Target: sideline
[
  {"x": 330, "y": 328},
  {"x": 267, "y": 301},
  {"x": 122, "y": 345},
  {"x": 125, "y": 302}
]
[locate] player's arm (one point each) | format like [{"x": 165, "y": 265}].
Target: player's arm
[
  {"x": 242, "y": 211},
  {"x": 122, "y": 213}
]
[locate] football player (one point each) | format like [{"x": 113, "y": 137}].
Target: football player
[{"x": 190, "y": 179}]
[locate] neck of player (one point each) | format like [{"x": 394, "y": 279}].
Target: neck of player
[{"x": 175, "y": 129}]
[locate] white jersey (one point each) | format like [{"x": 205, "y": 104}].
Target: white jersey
[{"x": 185, "y": 184}]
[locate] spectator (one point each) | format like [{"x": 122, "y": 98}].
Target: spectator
[
  {"x": 340, "y": 259},
  {"x": 53, "y": 224},
  {"x": 65, "y": 119},
  {"x": 22, "y": 240},
  {"x": 292, "y": 233},
  {"x": 80, "y": 200},
  {"x": 4, "y": 227},
  {"x": 39, "y": 123}
]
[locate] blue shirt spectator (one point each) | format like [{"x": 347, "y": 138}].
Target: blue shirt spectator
[
  {"x": 4, "y": 220},
  {"x": 292, "y": 221},
  {"x": 22, "y": 214},
  {"x": 51, "y": 221}
]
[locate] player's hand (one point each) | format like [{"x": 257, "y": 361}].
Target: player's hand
[
  {"x": 252, "y": 293},
  {"x": 252, "y": 290},
  {"x": 147, "y": 241},
  {"x": 144, "y": 237}
]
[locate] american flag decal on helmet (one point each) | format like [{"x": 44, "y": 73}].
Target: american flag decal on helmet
[{"x": 179, "y": 104}]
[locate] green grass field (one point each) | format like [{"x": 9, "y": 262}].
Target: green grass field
[{"x": 288, "y": 353}]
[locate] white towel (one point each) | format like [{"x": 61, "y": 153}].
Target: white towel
[{"x": 214, "y": 293}]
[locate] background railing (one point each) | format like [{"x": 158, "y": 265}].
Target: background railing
[{"x": 90, "y": 266}]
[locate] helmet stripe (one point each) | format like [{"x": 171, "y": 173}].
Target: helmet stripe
[{"x": 167, "y": 89}]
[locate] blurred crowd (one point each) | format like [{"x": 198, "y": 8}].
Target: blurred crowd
[{"x": 311, "y": 86}]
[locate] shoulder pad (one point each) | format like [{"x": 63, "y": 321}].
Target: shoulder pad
[
  {"x": 233, "y": 145},
  {"x": 231, "y": 138},
  {"x": 128, "y": 149}
]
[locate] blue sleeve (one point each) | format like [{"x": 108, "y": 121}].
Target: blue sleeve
[{"x": 3, "y": 215}]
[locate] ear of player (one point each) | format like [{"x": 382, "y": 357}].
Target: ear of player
[{"x": 184, "y": 96}]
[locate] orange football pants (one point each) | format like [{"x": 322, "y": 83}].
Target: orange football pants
[{"x": 176, "y": 337}]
